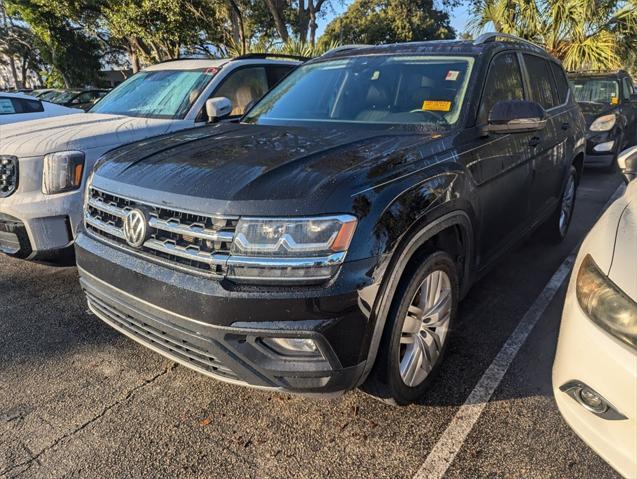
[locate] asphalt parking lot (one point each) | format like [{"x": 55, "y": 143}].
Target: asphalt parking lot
[{"x": 78, "y": 400}]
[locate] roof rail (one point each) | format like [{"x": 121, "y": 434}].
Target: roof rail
[
  {"x": 601, "y": 72},
  {"x": 344, "y": 48},
  {"x": 271, "y": 55},
  {"x": 494, "y": 36}
]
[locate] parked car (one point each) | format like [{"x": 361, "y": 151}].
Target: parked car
[
  {"x": 49, "y": 160},
  {"x": 609, "y": 103},
  {"x": 83, "y": 99},
  {"x": 18, "y": 107},
  {"x": 325, "y": 241},
  {"x": 595, "y": 370}
]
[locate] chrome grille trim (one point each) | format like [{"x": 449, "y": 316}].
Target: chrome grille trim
[
  {"x": 8, "y": 175},
  {"x": 189, "y": 241}
]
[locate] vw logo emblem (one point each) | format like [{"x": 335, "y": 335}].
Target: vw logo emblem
[{"x": 135, "y": 228}]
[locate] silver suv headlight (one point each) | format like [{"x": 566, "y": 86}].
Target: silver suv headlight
[
  {"x": 605, "y": 304},
  {"x": 604, "y": 123},
  {"x": 63, "y": 171},
  {"x": 290, "y": 250}
]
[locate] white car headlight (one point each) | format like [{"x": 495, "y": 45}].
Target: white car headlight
[
  {"x": 604, "y": 123},
  {"x": 63, "y": 171},
  {"x": 605, "y": 304},
  {"x": 290, "y": 250}
]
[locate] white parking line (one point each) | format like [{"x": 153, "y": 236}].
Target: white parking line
[{"x": 449, "y": 444}]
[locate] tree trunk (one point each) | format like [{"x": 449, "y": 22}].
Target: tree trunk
[
  {"x": 14, "y": 73},
  {"x": 237, "y": 17},
  {"x": 277, "y": 13}
]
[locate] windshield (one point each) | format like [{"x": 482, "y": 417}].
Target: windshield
[
  {"x": 600, "y": 90},
  {"x": 156, "y": 94},
  {"x": 66, "y": 96},
  {"x": 379, "y": 89}
]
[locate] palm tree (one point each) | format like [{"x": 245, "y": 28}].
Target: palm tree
[{"x": 584, "y": 34}]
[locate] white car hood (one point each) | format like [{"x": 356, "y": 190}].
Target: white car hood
[
  {"x": 623, "y": 270},
  {"x": 82, "y": 131}
]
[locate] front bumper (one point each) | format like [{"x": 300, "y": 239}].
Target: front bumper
[
  {"x": 216, "y": 328},
  {"x": 599, "y": 150},
  {"x": 587, "y": 354},
  {"x": 45, "y": 222}
]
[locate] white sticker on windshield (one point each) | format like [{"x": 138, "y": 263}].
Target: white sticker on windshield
[
  {"x": 452, "y": 75},
  {"x": 6, "y": 106}
]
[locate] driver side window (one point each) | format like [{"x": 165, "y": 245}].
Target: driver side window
[
  {"x": 243, "y": 87},
  {"x": 504, "y": 82}
]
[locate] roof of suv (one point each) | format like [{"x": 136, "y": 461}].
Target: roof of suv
[
  {"x": 599, "y": 74},
  {"x": 199, "y": 63},
  {"x": 488, "y": 43}
]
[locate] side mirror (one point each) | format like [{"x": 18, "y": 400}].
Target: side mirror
[
  {"x": 627, "y": 161},
  {"x": 218, "y": 108},
  {"x": 516, "y": 116}
]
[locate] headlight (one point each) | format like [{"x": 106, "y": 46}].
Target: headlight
[
  {"x": 604, "y": 123},
  {"x": 63, "y": 171},
  {"x": 605, "y": 304},
  {"x": 291, "y": 250}
]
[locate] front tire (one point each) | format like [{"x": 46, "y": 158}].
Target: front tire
[
  {"x": 556, "y": 227},
  {"x": 417, "y": 331}
]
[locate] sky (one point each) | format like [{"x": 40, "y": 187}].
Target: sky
[{"x": 459, "y": 16}]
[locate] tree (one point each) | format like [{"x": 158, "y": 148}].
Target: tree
[
  {"x": 388, "y": 21},
  {"x": 60, "y": 38},
  {"x": 584, "y": 34}
]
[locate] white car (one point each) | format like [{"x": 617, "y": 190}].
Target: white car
[
  {"x": 595, "y": 369},
  {"x": 17, "y": 107},
  {"x": 44, "y": 164}
]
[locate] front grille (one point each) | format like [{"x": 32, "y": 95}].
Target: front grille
[
  {"x": 153, "y": 332},
  {"x": 189, "y": 241},
  {"x": 8, "y": 175}
]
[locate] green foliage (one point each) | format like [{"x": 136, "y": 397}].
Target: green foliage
[
  {"x": 387, "y": 21},
  {"x": 584, "y": 34}
]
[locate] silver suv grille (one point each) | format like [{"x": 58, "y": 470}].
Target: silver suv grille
[
  {"x": 189, "y": 241},
  {"x": 8, "y": 175}
]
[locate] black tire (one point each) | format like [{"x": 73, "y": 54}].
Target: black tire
[
  {"x": 385, "y": 381},
  {"x": 552, "y": 229}
]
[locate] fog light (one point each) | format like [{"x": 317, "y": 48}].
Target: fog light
[
  {"x": 293, "y": 346},
  {"x": 603, "y": 147},
  {"x": 590, "y": 400}
]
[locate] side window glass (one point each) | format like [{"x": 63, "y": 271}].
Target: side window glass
[
  {"x": 542, "y": 89},
  {"x": 628, "y": 89},
  {"x": 276, "y": 73},
  {"x": 243, "y": 87},
  {"x": 6, "y": 106},
  {"x": 504, "y": 82},
  {"x": 560, "y": 81},
  {"x": 28, "y": 106}
]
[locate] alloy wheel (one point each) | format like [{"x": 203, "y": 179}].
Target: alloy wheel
[
  {"x": 568, "y": 199},
  {"x": 425, "y": 328}
]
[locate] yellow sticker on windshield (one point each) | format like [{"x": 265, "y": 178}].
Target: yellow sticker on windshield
[
  {"x": 436, "y": 105},
  {"x": 614, "y": 100}
]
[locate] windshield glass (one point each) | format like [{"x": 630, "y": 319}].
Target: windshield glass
[
  {"x": 66, "y": 96},
  {"x": 601, "y": 90},
  {"x": 383, "y": 89},
  {"x": 156, "y": 94}
]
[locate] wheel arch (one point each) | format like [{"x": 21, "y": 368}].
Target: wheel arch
[{"x": 420, "y": 236}]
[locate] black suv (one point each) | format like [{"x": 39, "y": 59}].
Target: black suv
[
  {"x": 323, "y": 242},
  {"x": 609, "y": 104}
]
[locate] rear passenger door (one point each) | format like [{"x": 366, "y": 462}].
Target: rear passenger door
[
  {"x": 553, "y": 144},
  {"x": 500, "y": 164}
]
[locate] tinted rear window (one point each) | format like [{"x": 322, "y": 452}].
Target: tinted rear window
[{"x": 560, "y": 81}]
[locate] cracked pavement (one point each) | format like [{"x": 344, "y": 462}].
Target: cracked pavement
[{"x": 79, "y": 400}]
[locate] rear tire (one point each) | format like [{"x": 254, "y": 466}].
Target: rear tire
[
  {"x": 417, "y": 332},
  {"x": 556, "y": 227}
]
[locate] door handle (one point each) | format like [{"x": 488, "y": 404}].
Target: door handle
[
  {"x": 533, "y": 142},
  {"x": 566, "y": 126}
]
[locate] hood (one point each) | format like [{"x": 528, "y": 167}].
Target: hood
[
  {"x": 82, "y": 131},
  {"x": 239, "y": 166},
  {"x": 623, "y": 270},
  {"x": 592, "y": 110}
]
